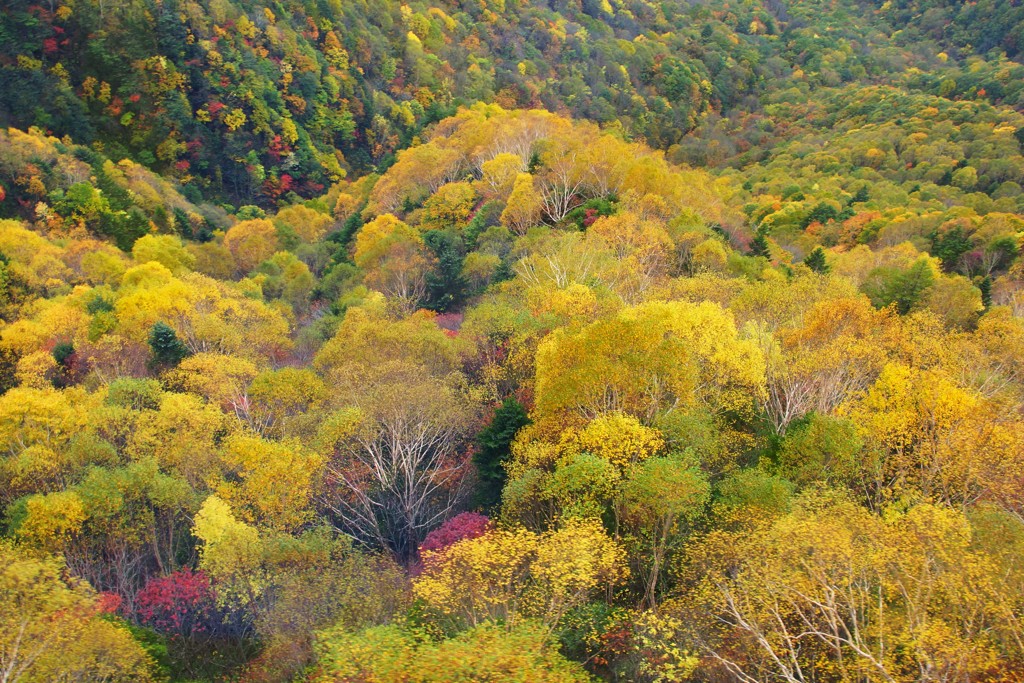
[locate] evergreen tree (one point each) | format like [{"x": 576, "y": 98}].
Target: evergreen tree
[
  {"x": 986, "y": 291},
  {"x": 493, "y": 450},
  {"x": 816, "y": 261},
  {"x": 64, "y": 355},
  {"x": 477, "y": 225},
  {"x": 950, "y": 246},
  {"x": 860, "y": 197},
  {"x": 348, "y": 230},
  {"x": 446, "y": 287},
  {"x": 167, "y": 349},
  {"x": 759, "y": 246},
  {"x": 821, "y": 213},
  {"x": 8, "y": 370}
]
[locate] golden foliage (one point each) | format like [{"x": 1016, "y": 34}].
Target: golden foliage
[{"x": 511, "y": 575}]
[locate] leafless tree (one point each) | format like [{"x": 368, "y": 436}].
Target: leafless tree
[{"x": 401, "y": 474}]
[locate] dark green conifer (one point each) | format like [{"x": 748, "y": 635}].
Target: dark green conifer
[
  {"x": 759, "y": 246},
  {"x": 167, "y": 349},
  {"x": 816, "y": 261},
  {"x": 493, "y": 450}
]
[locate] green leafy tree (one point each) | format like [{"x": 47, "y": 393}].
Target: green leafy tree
[
  {"x": 905, "y": 289},
  {"x": 659, "y": 498}
]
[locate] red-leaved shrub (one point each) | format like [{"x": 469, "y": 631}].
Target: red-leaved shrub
[
  {"x": 460, "y": 527},
  {"x": 181, "y": 603}
]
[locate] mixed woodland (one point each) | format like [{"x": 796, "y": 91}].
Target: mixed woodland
[{"x": 487, "y": 340}]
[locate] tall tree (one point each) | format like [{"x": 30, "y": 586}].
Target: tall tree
[
  {"x": 396, "y": 470},
  {"x": 493, "y": 450}
]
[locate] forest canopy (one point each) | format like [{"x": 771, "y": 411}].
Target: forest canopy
[{"x": 429, "y": 342}]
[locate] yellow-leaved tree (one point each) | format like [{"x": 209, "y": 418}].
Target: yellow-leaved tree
[
  {"x": 395, "y": 259},
  {"x": 270, "y": 483},
  {"x": 524, "y": 206},
  {"x": 925, "y": 434},
  {"x": 251, "y": 243},
  {"x": 52, "y": 629},
  {"x": 834, "y": 587},
  {"x": 645, "y": 360},
  {"x": 510, "y": 575}
]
